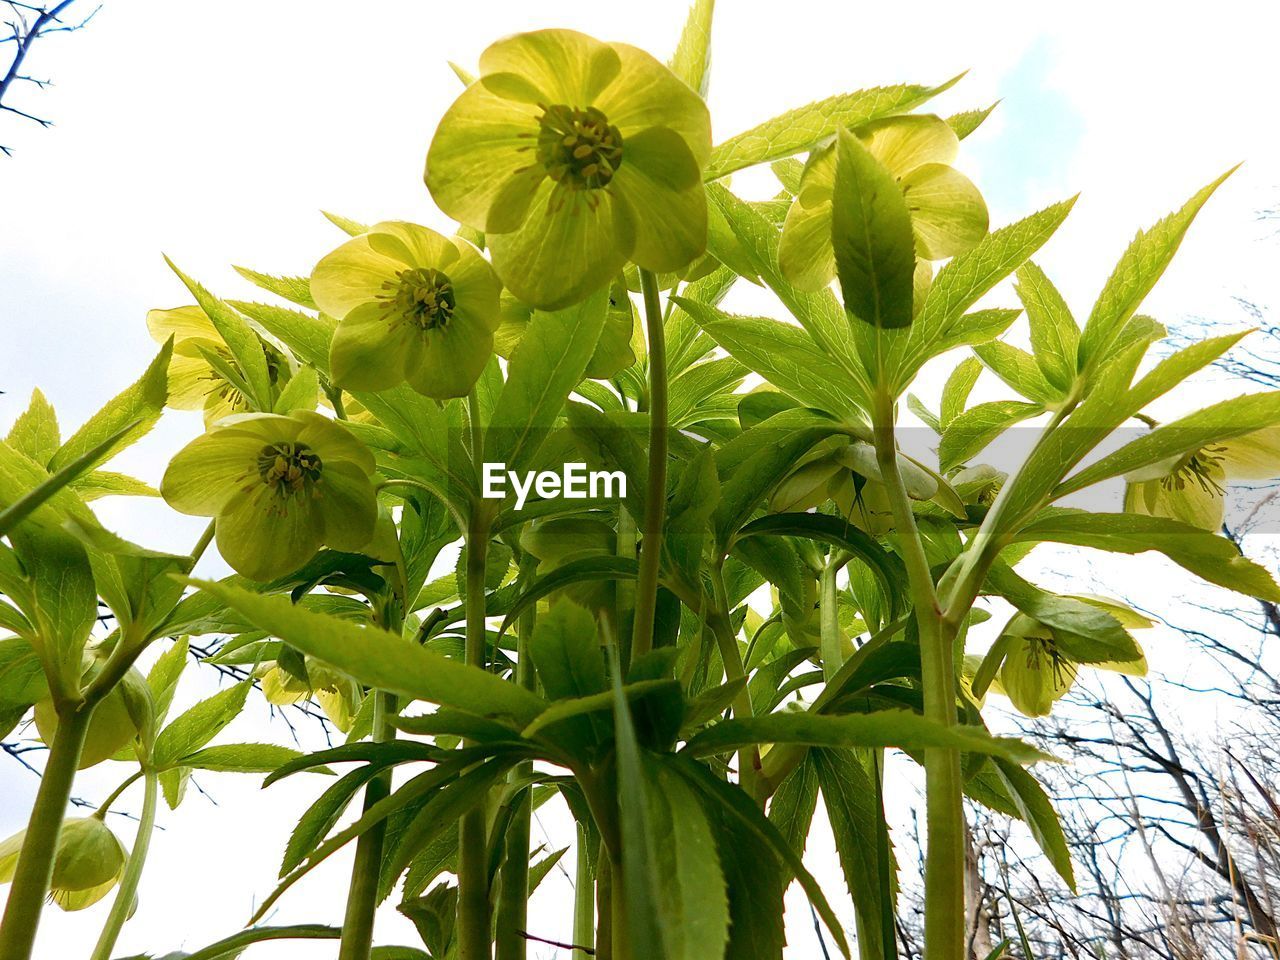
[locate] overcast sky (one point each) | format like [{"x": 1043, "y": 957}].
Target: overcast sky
[{"x": 215, "y": 132}]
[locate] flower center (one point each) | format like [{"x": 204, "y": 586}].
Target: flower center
[
  {"x": 423, "y": 296},
  {"x": 1201, "y": 468},
  {"x": 1062, "y": 668},
  {"x": 289, "y": 468},
  {"x": 578, "y": 148}
]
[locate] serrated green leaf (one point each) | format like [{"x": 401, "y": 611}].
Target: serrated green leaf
[
  {"x": 35, "y": 432},
  {"x": 307, "y": 336},
  {"x": 191, "y": 730},
  {"x": 294, "y": 289},
  {"x": 104, "y": 483},
  {"x": 354, "y": 228},
  {"x": 1055, "y": 338},
  {"x": 1036, "y": 810},
  {"x": 692, "y": 60},
  {"x": 956, "y": 390},
  {"x": 1019, "y": 370},
  {"x": 240, "y": 758},
  {"x": 799, "y": 129},
  {"x": 970, "y": 432},
  {"x": 967, "y": 121}
]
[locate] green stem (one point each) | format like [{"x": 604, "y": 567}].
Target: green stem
[
  {"x": 234, "y": 944},
  {"x": 34, "y": 869},
  {"x": 944, "y": 864},
  {"x": 830, "y": 634},
  {"x": 513, "y": 898},
  {"x": 604, "y": 904},
  {"x": 123, "y": 903},
  {"x": 584, "y": 905},
  {"x": 655, "y": 502},
  {"x": 718, "y": 619},
  {"x": 473, "y": 868},
  {"x": 107, "y": 804},
  {"x": 362, "y": 894}
]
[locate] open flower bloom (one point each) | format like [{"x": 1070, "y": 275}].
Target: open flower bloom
[
  {"x": 574, "y": 156},
  {"x": 948, "y": 214},
  {"x": 1192, "y": 487},
  {"x": 1037, "y": 672},
  {"x": 194, "y": 383},
  {"x": 280, "y": 487},
  {"x": 89, "y": 862},
  {"x": 411, "y": 305}
]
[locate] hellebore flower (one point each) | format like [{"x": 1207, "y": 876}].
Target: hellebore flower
[
  {"x": 194, "y": 383},
  {"x": 1037, "y": 672},
  {"x": 411, "y": 305},
  {"x": 1192, "y": 487},
  {"x": 87, "y": 864},
  {"x": 279, "y": 487},
  {"x": 948, "y": 214},
  {"x": 574, "y": 156}
]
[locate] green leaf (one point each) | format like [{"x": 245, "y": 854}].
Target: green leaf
[
  {"x": 966, "y": 122},
  {"x": 548, "y": 363},
  {"x": 353, "y": 228},
  {"x": 966, "y": 278},
  {"x": 162, "y": 678},
  {"x": 35, "y": 432},
  {"x": 307, "y": 336},
  {"x": 955, "y": 392},
  {"x": 871, "y": 233},
  {"x": 1207, "y": 555},
  {"x": 885, "y": 728},
  {"x": 688, "y": 885},
  {"x": 25, "y": 487},
  {"x": 322, "y": 815},
  {"x": 784, "y": 355},
  {"x": 65, "y": 602},
  {"x": 1136, "y": 273},
  {"x": 598, "y": 567},
  {"x": 800, "y": 129},
  {"x": 124, "y": 419},
  {"x": 103, "y": 483},
  {"x": 692, "y": 60},
  {"x": 302, "y": 392},
  {"x": 1055, "y": 338},
  {"x": 1086, "y": 633},
  {"x": 695, "y": 499},
  {"x": 197, "y": 726},
  {"x": 851, "y": 797},
  {"x": 381, "y": 659},
  {"x": 239, "y": 337},
  {"x": 294, "y": 289},
  {"x": 240, "y": 758},
  {"x": 1019, "y": 370},
  {"x": 1037, "y": 812},
  {"x": 970, "y": 432},
  {"x": 1221, "y": 421}
]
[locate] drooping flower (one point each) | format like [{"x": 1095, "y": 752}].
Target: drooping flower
[
  {"x": 194, "y": 382},
  {"x": 279, "y": 488},
  {"x": 1037, "y": 672},
  {"x": 948, "y": 214},
  {"x": 1192, "y": 487},
  {"x": 87, "y": 864},
  {"x": 574, "y": 156},
  {"x": 411, "y": 305}
]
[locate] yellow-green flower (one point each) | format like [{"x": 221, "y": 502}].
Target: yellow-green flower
[
  {"x": 1192, "y": 487},
  {"x": 1036, "y": 672},
  {"x": 194, "y": 383},
  {"x": 280, "y": 487},
  {"x": 574, "y": 156},
  {"x": 88, "y": 863},
  {"x": 411, "y": 305},
  {"x": 948, "y": 214}
]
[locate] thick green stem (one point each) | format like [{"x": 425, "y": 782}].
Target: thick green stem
[
  {"x": 34, "y": 869},
  {"x": 362, "y": 894},
  {"x": 128, "y": 889},
  {"x": 584, "y": 900},
  {"x": 655, "y": 501},
  {"x": 513, "y": 902},
  {"x": 944, "y": 864},
  {"x": 604, "y": 904},
  {"x": 831, "y": 636},
  {"x": 473, "y": 843}
]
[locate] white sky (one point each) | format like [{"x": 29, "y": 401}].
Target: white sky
[{"x": 215, "y": 131}]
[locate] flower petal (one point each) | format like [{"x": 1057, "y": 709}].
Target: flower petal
[
  {"x": 1255, "y": 456},
  {"x": 646, "y": 94},
  {"x": 191, "y": 379},
  {"x": 901, "y": 144},
  {"x": 482, "y": 142},
  {"x": 267, "y": 536},
  {"x": 351, "y": 275},
  {"x": 211, "y": 471},
  {"x": 367, "y": 353},
  {"x": 805, "y": 254},
  {"x": 565, "y": 249},
  {"x": 948, "y": 213},
  {"x": 411, "y": 244},
  {"x": 348, "y": 506},
  {"x": 552, "y": 66},
  {"x": 661, "y": 183},
  {"x": 476, "y": 288},
  {"x": 331, "y": 441},
  {"x": 181, "y": 323},
  {"x": 453, "y": 360}
]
